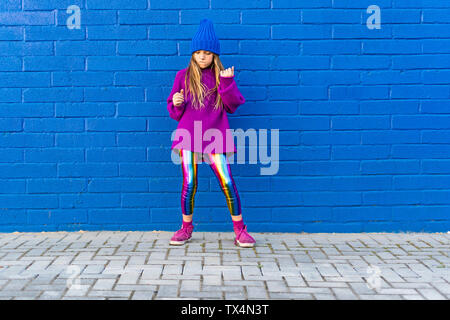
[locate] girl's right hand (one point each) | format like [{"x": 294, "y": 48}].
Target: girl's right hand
[{"x": 178, "y": 98}]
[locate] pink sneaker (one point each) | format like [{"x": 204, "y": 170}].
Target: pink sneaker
[
  {"x": 243, "y": 239},
  {"x": 182, "y": 236}
]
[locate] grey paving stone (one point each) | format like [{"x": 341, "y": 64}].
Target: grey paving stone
[
  {"x": 104, "y": 284},
  {"x": 277, "y": 286},
  {"x": 396, "y": 291},
  {"x": 323, "y": 296},
  {"x": 188, "y": 285},
  {"x": 179, "y": 277},
  {"x": 110, "y": 294},
  {"x": 344, "y": 294},
  {"x": 256, "y": 293},
  {"x": 380, "y": 297},
  {"x": 235, "y": 295},
  {"x": 290, "y": 296},
  {"x": 143, "y": 295},
  {"x": 234, "y": 288},
  {"x": 327, "y": 270},
  {"x": 249, "y": 283},
  {"x": 295, "y": 281},
  {"x": 51, "y": 295},
  {"x": 412, "y": 297},
  {"x": 202, "y": 294},
  {"x": 160, "y": 282},
  {"x": 129, "y": 278},
  {"x": 77, "y": 291},
  {"x": 443, "y": 288},
  {"x": 142, "y": 265},
  {"x": 213, "y": 280},
  {"x": 19, "y": 293},
  {"x": 431, "y": 294}
]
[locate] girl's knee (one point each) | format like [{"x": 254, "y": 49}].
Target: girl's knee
[{"x": 190, "y": 183}]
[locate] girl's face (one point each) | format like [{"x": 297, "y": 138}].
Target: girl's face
[{"x": 203, "y": 58}]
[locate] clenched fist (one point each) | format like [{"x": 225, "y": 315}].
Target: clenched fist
[
  {"x": 227, "y": 72},
  {"x": 178, "y": 98}
]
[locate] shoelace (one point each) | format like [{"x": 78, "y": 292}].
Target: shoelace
[
  {"x": 183, "y": 231},
  {"x": 240, "y": 232}
]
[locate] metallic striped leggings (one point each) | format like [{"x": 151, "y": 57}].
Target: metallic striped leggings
[{"x": 221, "y": 168}]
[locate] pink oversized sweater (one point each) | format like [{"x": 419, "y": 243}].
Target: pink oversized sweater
[{"x": 195, "y": 123}]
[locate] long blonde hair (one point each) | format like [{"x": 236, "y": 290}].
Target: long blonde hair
[{"x": 197, "y": 90}]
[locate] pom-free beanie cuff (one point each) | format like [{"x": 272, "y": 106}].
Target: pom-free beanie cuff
[{"x": 205, "y": 38}]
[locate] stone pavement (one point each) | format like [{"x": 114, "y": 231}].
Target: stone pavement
[{"x": 142, "y": 265}]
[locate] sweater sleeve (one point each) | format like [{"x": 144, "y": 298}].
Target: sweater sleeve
[
  {"x": 176, "y": 112},
  {"x": 230, "y": 94}
]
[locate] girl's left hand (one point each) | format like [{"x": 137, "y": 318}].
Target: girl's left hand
[{"x": 227, "y": 72}]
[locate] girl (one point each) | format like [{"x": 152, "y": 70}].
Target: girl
[{"x": 202, "y": 94}]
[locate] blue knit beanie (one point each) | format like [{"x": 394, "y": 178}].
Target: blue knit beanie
[{"x": 205, "y": 38}]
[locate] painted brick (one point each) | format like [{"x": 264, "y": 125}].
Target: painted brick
[{"x": 363, "y": 115}]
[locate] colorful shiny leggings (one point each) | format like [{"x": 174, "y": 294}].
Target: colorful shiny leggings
[{"x": 221, "y": 168}]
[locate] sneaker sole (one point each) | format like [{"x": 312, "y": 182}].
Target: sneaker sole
[
  {"x": 178, "y": 243},
  {"x": 244, "y": 245}
]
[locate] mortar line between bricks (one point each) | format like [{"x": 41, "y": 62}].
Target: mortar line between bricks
[
  {"x": 352, "y": 290},
  {"x": 51, "y": 283},
  {"x": 116, "y": 249},
  {"x": 420, "y": 294},
  {"x": 433, "y": 258},
  {"x": 348, "y": 243},
  {"x": 324, "y": 253},
  {"x": 283, "y": 279},
  {"x": 222, "y": 281},
  {"x": 365, "y": 244},
  {"x": 413, "y": 245},
  {"x": 155, "y": 293},
  {"x": 141, "y": 271},
  {"x": 37, "y": 245},
  {"x": 28, "y": 281},
  {"x": 2, "y": 286},
  {"x": 245, "y": 293},
  {"x": 393, "y": 270},
  {"x": 127, "y": 261},
  {"x": 337, "y": 249},
  {"x": 13, "y": 239},
  {"x": 64, "y": 291},
  {"x": 375, "y": 253},
  {"x": 221, "y": 259},
  {"x": 364, "y": 258},
  {"x": 39, "y": 295},
  {"x": 433, "y": 285},
  {"x": 95, "y": 253},
  {"x": 421, "y": 262},
  {"x": 430, "y": 246},
  {"x": 17, "y": 246},
  {"x": 136, "y": 245},
  {"x": 90, "y": 288},
  {"x": 266, "y": 287},
  {"x": 24, "y": 253}
]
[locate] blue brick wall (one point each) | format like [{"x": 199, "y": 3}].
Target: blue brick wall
[{"x": 363, "y": 114}]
